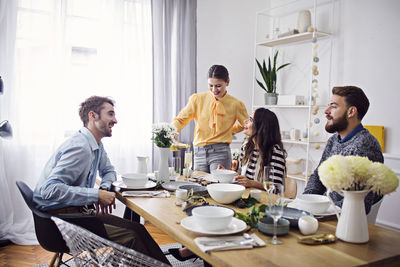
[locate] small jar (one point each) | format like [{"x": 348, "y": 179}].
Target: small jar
[
  {"x": 181, "y": 196},
  {"x": 255, "y": 193}
]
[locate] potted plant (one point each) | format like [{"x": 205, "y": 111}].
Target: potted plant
[{"x": 269, "y": 77}]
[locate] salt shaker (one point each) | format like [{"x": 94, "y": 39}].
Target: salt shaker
[{"x": 308, "y": 225}]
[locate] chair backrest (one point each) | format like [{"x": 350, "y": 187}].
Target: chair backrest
[
  {"x": 373, "y": 213},
  {"x": 92, "y": 250},
  {"x": 47, "y": 233}
]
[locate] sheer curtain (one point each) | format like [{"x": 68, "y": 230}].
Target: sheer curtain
[
  {"x": 174, "y": 60},
  {"x": 66, "y": 51}
]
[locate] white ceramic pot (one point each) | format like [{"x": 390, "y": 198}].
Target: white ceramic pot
[
  {"x": 352, "y": 225},
  {"x": 271, "y": 98},
  {"x": 163, "y": 169}
]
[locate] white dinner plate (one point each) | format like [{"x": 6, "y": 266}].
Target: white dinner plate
[
  {"x": 147, "y": 185},
  {"x": 236, "y": 226},
  {"x": 330, "y": 211}
]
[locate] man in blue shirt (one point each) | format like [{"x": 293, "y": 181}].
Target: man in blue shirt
[
  {"x": 66, "y": 185},
  {"x": 346, "y": 109}
]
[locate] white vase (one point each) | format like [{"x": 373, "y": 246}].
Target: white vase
[
  {"x": 163, "y": 170},
  {"x": 352, "y": 225},
  {"x": 304, "y": 20}
]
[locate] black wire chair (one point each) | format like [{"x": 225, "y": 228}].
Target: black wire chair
[{"x": 47, "y": 233}]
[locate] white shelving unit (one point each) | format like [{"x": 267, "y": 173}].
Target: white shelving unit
[{"x": 296, "y": 79}]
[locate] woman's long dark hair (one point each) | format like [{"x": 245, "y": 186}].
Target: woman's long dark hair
[{"x": 266, "y": 134}]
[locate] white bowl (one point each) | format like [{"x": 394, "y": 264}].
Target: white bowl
[
  {"x": 134, "y": 179},
  {"x": 225, "y": 193},
  {"x": 224, "y": 176},
  {"x": 315, "y": 204},
  {"x": 212, "y": 218}
]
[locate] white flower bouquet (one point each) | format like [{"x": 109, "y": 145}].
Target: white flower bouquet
[
  {"x": 355, "y": 173},
  {"x": 235, "y": 154},
  {"x": 164, "y": 134}
]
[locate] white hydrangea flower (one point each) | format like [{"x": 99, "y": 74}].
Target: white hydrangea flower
[
  {"x": 360, "y": 169},
  {"x": 336, "y": 173},
  {"x": 357, "y": 173},
  {"x": 381, "y": 179}
]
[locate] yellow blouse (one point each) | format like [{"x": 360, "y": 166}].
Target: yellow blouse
[{"x": 214, "y": 119}]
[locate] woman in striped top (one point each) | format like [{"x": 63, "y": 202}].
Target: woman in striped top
[{"x": 263, "y": 148}]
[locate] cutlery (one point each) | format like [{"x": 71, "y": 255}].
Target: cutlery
[{"x": 248, "y": 240}]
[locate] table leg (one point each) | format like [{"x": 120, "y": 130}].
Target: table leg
[{"x": 131, "y": 215}]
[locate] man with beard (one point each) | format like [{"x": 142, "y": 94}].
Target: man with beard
[
  {"x": 345, "y": 111},
  {"x": 66, "y": 185}
]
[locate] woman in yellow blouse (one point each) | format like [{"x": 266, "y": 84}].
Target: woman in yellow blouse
[{"x": 215, "y": 114}]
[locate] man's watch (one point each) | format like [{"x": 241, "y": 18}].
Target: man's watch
[{"x": 103, "y": 187}]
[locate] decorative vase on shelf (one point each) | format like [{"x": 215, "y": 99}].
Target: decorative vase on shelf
[
  {"x": 304, "y": 20},
  {"x": 163, "y": 170},
  {"x": 352, "y": 225},
  {"x": 271, "y": 98}
]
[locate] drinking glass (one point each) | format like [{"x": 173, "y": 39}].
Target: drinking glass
[
  {"x": 275, "y": 199},
  {"x": 177, "y": 166},
  {"x": 188, "y": 163}
]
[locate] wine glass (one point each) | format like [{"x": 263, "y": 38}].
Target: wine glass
[
  {"x": 188, "y": 163},
  {"x": 275, "y": 198}
]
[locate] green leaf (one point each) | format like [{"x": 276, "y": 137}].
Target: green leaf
[
  {"x": 282, "y": 66},
  {"x": 260, "y": 84}
]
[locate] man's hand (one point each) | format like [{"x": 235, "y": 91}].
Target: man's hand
[{"x": 106, "y": 202}]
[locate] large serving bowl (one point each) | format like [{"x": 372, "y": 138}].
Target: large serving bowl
[
  {"x": 134, "y": 179},
  {"x": 315, "y": 204},
  {"x": 225, "y": 193},
  {"x": 223, "y": 176},
  {"x": 212, "y": 218}
]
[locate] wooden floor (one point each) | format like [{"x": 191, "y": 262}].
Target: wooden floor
[{"x": 21, "y": 256}]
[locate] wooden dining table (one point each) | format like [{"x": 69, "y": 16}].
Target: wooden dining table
[{"x": 382, "y": 249}]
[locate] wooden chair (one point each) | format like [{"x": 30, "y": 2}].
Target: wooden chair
[{"x": 290, "y": 188}]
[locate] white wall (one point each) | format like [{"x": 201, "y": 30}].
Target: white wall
[
  {"x": 225, "y": 36},
  {"x": 365, "y": 54},
  {"x": 368, "y": 46}
]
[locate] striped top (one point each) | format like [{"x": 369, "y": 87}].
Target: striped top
[{"x": 252, "y": 168}]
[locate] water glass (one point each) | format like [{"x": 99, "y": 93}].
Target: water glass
[
  {"x": 177, "y": 166},
  {"x": 275, "y": 198}
]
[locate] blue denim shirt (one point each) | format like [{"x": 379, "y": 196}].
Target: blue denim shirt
[{"x": 69, "y": 176}]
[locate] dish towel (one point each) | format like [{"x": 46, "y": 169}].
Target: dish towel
[
  {"x": 164, "y": 193},
  {"x": 228, "y": 243}
]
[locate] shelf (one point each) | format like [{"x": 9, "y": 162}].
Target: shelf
[
  {"x": 299, "y": 177},
  {"x": 289, "y": 141},
  {"x": 282, "y": 106},
  {"x": 295, "y": 38}
]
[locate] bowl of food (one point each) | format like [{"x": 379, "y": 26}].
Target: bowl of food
[
  {"x": 225, "y": 193},
  {"x": 313, "y": 203},
  {"x": 212, "y": 218},
  {"x": 134, "y": 179},
  {"x": 266, "y": 226},
  {"x": 223, "y": 176}
]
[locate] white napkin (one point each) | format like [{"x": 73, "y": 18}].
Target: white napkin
[
  {"x": 227, "y": 243},
  {"x": 164, "y": 193}
]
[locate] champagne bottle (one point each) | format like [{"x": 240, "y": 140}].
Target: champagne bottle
[{"x": 178, "y": 146}]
